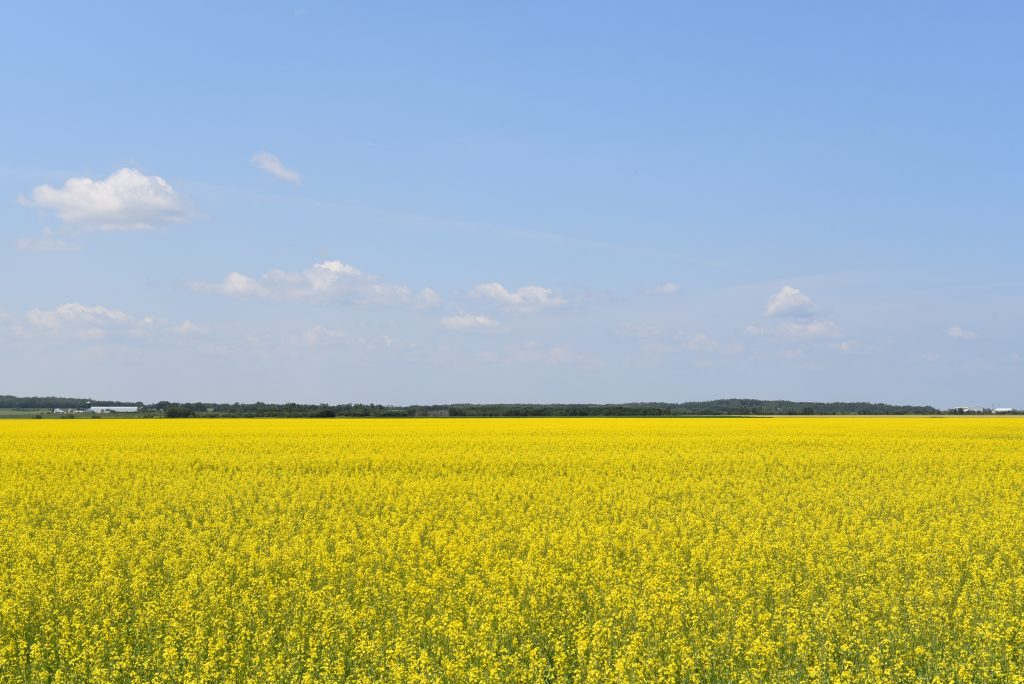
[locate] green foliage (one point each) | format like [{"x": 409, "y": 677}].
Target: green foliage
[{"x": 177, "y": 411}]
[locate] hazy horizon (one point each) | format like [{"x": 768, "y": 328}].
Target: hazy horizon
[{"x": 456, "y": 203}]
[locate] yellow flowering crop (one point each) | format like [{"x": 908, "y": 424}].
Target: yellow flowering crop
[{"x": 519, "y": 550}]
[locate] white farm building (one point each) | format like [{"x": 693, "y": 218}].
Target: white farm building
[{"x": 114, "y": 409}]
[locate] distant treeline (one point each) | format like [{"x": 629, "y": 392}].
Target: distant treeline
[
  {"x": 718, "y": 407},
  {"x": 743, "y": 407},
  {"x": 9, "y": 402}
]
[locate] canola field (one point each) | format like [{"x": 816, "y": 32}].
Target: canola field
[{"x": 512, "y": 550}]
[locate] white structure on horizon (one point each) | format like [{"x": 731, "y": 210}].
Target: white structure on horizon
[
  {"x": 1003, "y": 410},
  {"x": 58, "y": 410},
  {"x": 114, "y": 409}
]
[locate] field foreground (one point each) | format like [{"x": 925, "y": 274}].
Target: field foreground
[{"x": 784, "y": 549}]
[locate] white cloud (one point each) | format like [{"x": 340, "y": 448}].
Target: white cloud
[
  {"x": 318, "y": 280},
  {"x": 791, "y": 302},
  {"x": 126, "y": 200},
  {"x": 667, "y": 288},
  {"x": 465, "y": 321},
  {"x": 525, "y": 299},
  {"x": 960, "y": 333},
  {"x": 47, "y": 242},
  {"x": 273, "y": 165},
  {"x": 327, "y": 280},
  {"x": 800, "y": 319}
]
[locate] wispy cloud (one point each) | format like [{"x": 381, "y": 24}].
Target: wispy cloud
[
  {"x": 533, "y": 353},
  {"x": 125, "y": 200},
  {"x": 428, "y": 298},
  {"x": 808, "y": 329},
  {"x": 235, "y": 284},
  {"x": 639, "y": 330},
  {"x": 91, "y": 323},
  {"x": 273, "y": 165},
  {"x": 78, "y": 316},
  {"x": 320, "y": 335},
  {"x": 327, "y": 280},
  {"x": 466, "y": 321},
  {"x": 667, "y": 289},
  {"x": 959, "y": 333},
  {"x": 47, "y": 242},
  {"x": 186, "y": 329},
  {"x": 696, "y": 342},
  {"x": 689, "y": 343}
]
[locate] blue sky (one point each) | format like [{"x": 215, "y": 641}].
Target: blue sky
[{"x": 438, "y": 202}]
